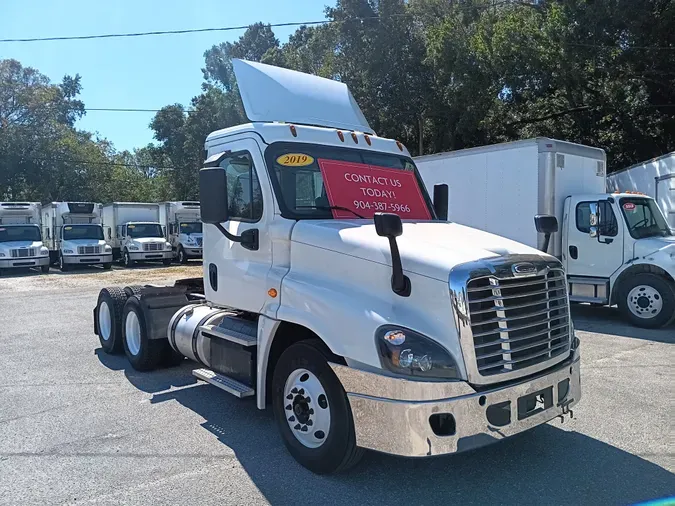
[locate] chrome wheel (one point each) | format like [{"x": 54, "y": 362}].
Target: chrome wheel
[
  {"x": 306, "y": 408},
  {"x": 645, "y": 301},
  {"x": 132, "y": 332},
  {"x": 104, "y": 321}
]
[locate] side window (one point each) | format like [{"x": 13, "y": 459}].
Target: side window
[
  {"x": 244, "y": 196},
  {"x": 584, "y": 217},
  {"x": 610, "y": 227}
]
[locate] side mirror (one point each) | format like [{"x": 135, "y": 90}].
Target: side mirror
[
  {"x": 547, "y": 225},
  {"x": 213, "y": 195},
  {"x": 594, "y": 219},
  {"x": 441, "y": 201},
  {"x": 389, "y": 225}
]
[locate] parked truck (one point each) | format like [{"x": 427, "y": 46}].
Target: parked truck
[
  {"x": 655, "y": 178},
  {"x": 74, "y": 235},
  {"x": 135, "y": 234},
  {"x": 183, "y": 226},
  {"x": 20, "y": 240},
  {"x": 333, "y": 292},
  {"x": 615, "y": 248}
]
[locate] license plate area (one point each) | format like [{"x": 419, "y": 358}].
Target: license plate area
[{"x": 534, "y": 403}]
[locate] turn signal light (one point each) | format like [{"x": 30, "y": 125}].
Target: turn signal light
[{"x": 272, "y": 293}]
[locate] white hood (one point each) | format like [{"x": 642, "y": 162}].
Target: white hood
[
  {"x": 20, "y": 244},
  {"x": 429, "y": 249},
  {"x": 652, "y": 245}
]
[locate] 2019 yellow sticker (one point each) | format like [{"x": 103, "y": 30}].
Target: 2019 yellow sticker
[{"x": 295, "y": 160}]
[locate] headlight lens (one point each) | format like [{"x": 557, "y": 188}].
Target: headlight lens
[
  {"x": 68, "y": 251},
  {"x": 44, "y": 251},
  {"x": 167, "y": 245},
  {"x": 133, "y": 248},
  {"x": 108, "y": 247},
  {"x": 406, "y": 352}
]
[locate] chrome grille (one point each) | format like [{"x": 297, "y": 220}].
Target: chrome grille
[
  {"x": 518, "y": 322},
  {"x": 23, "y": 253},
  {"x": 152, "y": 246},
  {"x": 88, "y": 250}
]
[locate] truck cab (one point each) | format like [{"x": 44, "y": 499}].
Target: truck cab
[
  {"x": 143, "y": 242},
  {"x": 619, "y": 249},
  {"x": 183, "y": 226},
  {"x": 21, "y": 243}
]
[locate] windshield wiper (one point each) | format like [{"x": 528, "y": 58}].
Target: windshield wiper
[{"x": 330, "y": 208}]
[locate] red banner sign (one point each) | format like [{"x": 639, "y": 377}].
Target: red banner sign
[{"x": 367, "y": 189}]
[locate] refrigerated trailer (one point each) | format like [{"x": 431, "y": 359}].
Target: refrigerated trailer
[
  {"x": 21, "y": 243},
  {"x": 135, "y": 234},
  {"x": 74, "y": 235},
  {"x": 616, "y": 248},
  {"x": 183, "y": 226},
  {"x": 655, "y": 178},
  {"x": 332, "y": 292}
]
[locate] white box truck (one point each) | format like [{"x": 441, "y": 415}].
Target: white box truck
[
  {"x": 655, "y": 178},
  {"x": 20, "y": 240},
  {"x": 183, "y": 226},
  {"x": 615, "y": 248},
  {"x": 74, "y": 235},
  {"x": 135, "y": 234},
  {"x": 332, "y": 292}
]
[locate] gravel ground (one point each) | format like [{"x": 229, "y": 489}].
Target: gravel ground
[{"x": 79, "y": 426}]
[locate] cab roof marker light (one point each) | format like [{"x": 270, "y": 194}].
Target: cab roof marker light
[
  {"x": 293, "y": 130},
  {"x": 341, "y": 135},
  {"x": 367, "y": 137},
  {"x": 355, "y": 138},
  {"x": 400, "y": 146}
]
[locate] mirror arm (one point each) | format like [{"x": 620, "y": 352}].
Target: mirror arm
[
  {"x": 250, "y": 241},
  {"x": 400, "y": 283}
]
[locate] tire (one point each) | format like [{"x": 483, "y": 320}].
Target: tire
[
  {"x": 167, "y": 261},
  {"x": 338, "y": 451},
  {"x": 144, "y": 354},
  {"x": 133, "y": 290},
  {"x": 182, "y": 256},
  {"x": 126, "y": 260},
  {"x": 63, "y": 267},
  {"x": 107, "y": 266},
  {"x": 647, "y": 300},
  {"x": 44, "y": 269},
  {"x": 110, "y": 333}
]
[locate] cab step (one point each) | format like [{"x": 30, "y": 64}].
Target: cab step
[
  {"x": 224, "y": 383},
  {"x": 231, "y": 328}
]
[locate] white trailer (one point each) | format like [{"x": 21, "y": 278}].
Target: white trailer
[
  {"x": 20, "y": 240},
  {"x": 616, "y": 249},
  {"x": 183, "y": 226},
  {"x": 413, "y": 337},
  {"x": 74, "y": 235},
  {"x": 655, "y": 178},
  {"x": 135, "y": 234}
]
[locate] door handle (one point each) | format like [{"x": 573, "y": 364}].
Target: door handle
[{"x": 574, "y": 252}]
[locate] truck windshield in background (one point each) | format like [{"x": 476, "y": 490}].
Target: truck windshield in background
[
  {"x": 193, "y": 227},
  {"x": 19, "y": 233},
  {"x": 73, "y": 232},
  {"x": 644, "y": 218},
  {"x": 313, "y": 181},
  {"x": 139, "y": 230}
]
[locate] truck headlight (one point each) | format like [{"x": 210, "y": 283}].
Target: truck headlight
[
  {"x": 107, "y": 247},
  {"x": 133, "y": 248},
  {"x": 44, "y": 251},
  {"x": 68, "y": 251},
  {"x": 167, "y": 245},
  {"x": 409, "y": 353},
  {"x": 2, "y": 254}
]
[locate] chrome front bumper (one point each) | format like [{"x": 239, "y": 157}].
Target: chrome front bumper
[
  {"x": 399, "y": 423},
  {"x": 193, "y": 252},
  {"x": 150, "y": 256},
  {"x": 23, "y": 262},
  {"x": 88, "y": 259}
]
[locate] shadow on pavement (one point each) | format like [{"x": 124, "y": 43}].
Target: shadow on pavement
[
  {"x": 546, "y": 465},
  {"x": 608, "y": 320},
  {"x": 151, "y": 382}
]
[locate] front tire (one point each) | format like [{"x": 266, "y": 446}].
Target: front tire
[
  {"x": 647, "y": 300},
  {"x": 63, "y": 266},
  {"x": 126, "y": 260},
  {"x": 109, "y": 318},
  {"x": 312, "y": 411},
  {"x": 144, "y": 354},
  {"x": 167, "y": 261},
  {"x": 182, "y": 256},
  {"x": 44, "y": 269},
  {"x": 107, "y": 266}
]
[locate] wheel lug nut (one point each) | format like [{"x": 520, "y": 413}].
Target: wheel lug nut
[
  {"x": 297, "y": 426},
  {"x": 304, "y": 428},
  {"x": 291, "y": 419},
  {"x": 289, "y": 407}
]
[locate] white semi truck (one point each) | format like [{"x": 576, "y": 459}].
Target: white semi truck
[
  {"x": 655, "y": 177},
  {"x": 615, "y": 248},
  {"x": 135, "y": 234},
  {"x": 333, "y": 292},
  {"x": 183, "y": 226},
  {"x": 21, "y": 244},
  {"x": 74, "y": 235}
]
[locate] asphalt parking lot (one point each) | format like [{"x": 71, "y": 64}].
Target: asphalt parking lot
[{"x": 78, "y": 426}]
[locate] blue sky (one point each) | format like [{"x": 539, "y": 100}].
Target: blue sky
[{"x": 138, "y": 72}]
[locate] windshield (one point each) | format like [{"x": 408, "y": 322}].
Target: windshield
[
  {"x": 138, "y": 230},
  {"x": 19, "y": 233},
  {"x": 644, "y": 218},
  {"x": 191, "y": 227},
  {"x": 313, "y": 181},
  {"x": 82, "y": 232}
]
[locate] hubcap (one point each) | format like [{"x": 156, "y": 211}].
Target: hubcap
[
  {"x": 645, "y": 301},
  {"x": 132, "y": 329},
  {"x": 104, "y": 321},
  {"x": 306, "y": 408}
]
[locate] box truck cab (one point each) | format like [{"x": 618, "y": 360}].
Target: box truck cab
[
  {"x": 333, "y": 292},
  {"x": 20, "y": 239},
  {"x": 135, "y": 234},
  {"x": 74, "y": 235},
  {"x": 498, "y": 188},
  {"x": 183, "y": 226}
]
